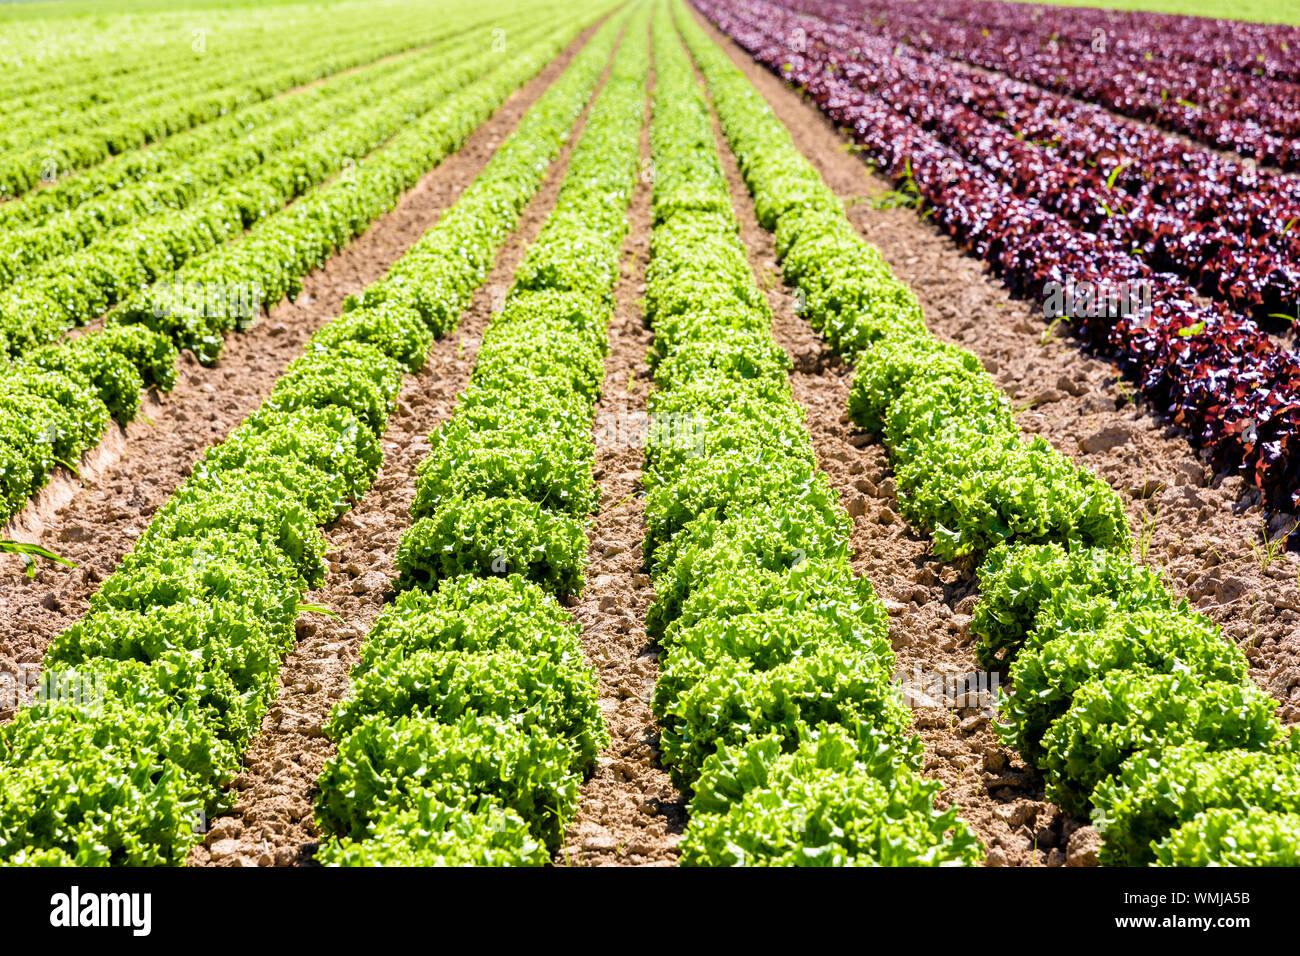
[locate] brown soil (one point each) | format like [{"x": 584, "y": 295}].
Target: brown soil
[
  {"x": 1205, "y": 531},
  {"x": 272, "y": 820},
  {"x": 630, "y": 813},
  {"x": 94, "y": 520}
]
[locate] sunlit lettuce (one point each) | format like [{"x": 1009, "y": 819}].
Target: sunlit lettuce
[
  {"x": 29, "y": 427},
  {"x": 772, "y": 536},
  {"x": 823, "y": 587},
  {"x": 117, "y": 774},
  {"x": 193, "y": 624},
  {"x": 539, "y": 351},
  {"x": 582, "y": 310},
  {"x": 282, "y": 245},
  {"x": 330, "y": 447},
  {"x": 519, "y": 459},
  {"x": 222, "y": 636},
  {"x": 214, "y": 563},
  {"x": 763, "y": 640},
  {"x": 839, "y": 799},
  {"x": 973, "y": 495},
  {"x": 894, "y": 364},
  {"x": 191, "y": 99},
  {"x": 471, "y": 613},
  {"x": 1231, "y": 837},
  {"x": 386, "y": 764},
  {"x": 1117, "y": 715},
  {"x": 111, "y": 374},
  {"x": 552, "y": 693},
  {"x": 487, "y": 536},
  {"x": 532, "y": 406},
  {"x": 964, "y": 474},
  {"x": 703, "y": 314},
  {"x": 244, "y": 504},
  {"x": 1047, "y": 675},
  {"x": 17, "y": 475},
  {"x": 929, "y": 409},
  {"x": 574, "y": 259},
  {"x": 68, "y": 410},
  {"x": 770, "y": 641},
  {"x": 737, "y": 700},
  {"x": 720, "y": 485},
  {"x": 1157, "y": 791},
  {"x": 397, "y": 332},
  {"x": 731, "y": 353},
  {"x": 432, "y": 833},
  {"x": 1026, "y": 587},
  {"x": 353, "y": 375},
  {"x": 487, "y": 658},
  {"x": 1075, "y": 607}
]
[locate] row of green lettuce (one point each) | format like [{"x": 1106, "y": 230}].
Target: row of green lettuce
[
  {"x": 155, "y": 103},
  {"x": 87, "y": 64},
  {"x": 1134, "y": 706},
  {"x": 148, "y": 703},
  {"x": 73, "y": 140},
  {"x": 774, "y": 700},
  {"x": 56, "y": 400},
  {"x": 123, "y": 119},
  {"x": 267, "y": 132},
  {"x": 1137, "y": 709},
  {"x": 77, "y": 66},
  {"x": 122, "y": 264},
  {"x": 473, "y": 713},
  {"x": 128, "y": 172},
  {"x": 97, "y": 79}
]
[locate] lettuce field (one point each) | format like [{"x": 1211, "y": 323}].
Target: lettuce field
[{"x": 649, "y": 432}]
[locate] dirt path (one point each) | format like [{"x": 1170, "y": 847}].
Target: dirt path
[
  {"x": 272, "y": 822},
  {"x": 1205, "y": 530},
  {"x": 95, "y": 521},
  {"x": 629, "y": 813}
]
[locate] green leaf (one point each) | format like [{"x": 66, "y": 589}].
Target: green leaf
[{"x": 33, "y": 550}]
